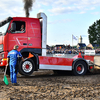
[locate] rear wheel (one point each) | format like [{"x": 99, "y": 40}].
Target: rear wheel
[
  {"x": 80, "y": 68},
  {"x": 26, "y": 67}
]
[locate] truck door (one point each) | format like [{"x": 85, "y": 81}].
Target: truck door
[
  {"x": 34, "y": 33},
  {"x": 18, "y": 36}
]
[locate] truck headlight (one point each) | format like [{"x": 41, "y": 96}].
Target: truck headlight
[{"x": 1, "y": 63}]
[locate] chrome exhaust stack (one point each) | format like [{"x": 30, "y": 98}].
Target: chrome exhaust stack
[{"x": 43, "y": 21}]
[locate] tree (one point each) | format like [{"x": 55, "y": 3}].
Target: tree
[{"x": 94, "y": 33}]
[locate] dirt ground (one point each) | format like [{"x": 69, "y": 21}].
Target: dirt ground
[{"x": 44, "y": 85}]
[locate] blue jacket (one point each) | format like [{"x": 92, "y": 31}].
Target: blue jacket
[{"x": 13, "y": 56}]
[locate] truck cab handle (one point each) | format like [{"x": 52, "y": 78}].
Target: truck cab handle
[{"x": 24, "y": 43}]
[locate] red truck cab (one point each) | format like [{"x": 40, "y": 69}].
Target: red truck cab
[{"x": 29, "y": 40}]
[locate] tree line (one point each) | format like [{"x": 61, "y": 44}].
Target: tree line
[{"x": 94, "y": 33}]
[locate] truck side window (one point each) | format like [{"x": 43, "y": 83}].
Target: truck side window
[{"x": 20, "y": 27}]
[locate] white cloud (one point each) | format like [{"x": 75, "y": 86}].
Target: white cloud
[
  {"x": 96, "y": 13},
  {"x": 66, "y": 6},
  {"x": 92, "y": 8},
  {"x": 12, "y": 7},
  {"x": 41, "y": 10},
  {"x": 59, "y": 10},
  {"x": 82, "y": 12},
  {"x": 69, "y": 2},
  {"x": 66, "y": 2},
  {"x": 55, "y": 7},
  {"x": 45, "y": 2}
]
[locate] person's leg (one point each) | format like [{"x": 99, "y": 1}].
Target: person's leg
[
  {"x": 14, "y": 75},
  {"x": 11, "y": 73}
]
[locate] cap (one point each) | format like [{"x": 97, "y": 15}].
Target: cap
[{"x": 16, "y": 47}]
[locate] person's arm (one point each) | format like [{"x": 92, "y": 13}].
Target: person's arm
[
  {"x": 22, "y": 58},
  {"x": 7, "y": 62},
  {"x": 8, "y": 58}
]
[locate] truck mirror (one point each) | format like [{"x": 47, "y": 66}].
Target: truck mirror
[{"x": 13, "y": 27}]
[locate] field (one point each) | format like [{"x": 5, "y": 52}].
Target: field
[{"x": 45, "y": 85}]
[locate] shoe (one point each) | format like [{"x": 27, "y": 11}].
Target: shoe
[{"x": 15, "y": 84}]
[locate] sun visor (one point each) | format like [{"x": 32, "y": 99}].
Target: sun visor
[{"x": 5, "y": 21}]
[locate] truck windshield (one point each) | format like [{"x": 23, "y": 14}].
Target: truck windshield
[
  {"x": 3, "y": 29},
  {"x": 4, "y": 25}
]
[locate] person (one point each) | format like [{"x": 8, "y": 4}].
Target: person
[
  {"x": 12, "y": 58},
  {"x": 22, "y": 28}
]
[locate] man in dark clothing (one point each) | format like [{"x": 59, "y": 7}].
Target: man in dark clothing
[
  {"x": 22, "y": 28},
  {"x": 12, "y": 58}
]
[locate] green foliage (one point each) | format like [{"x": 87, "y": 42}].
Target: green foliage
[{"x": 94, "y": 33}]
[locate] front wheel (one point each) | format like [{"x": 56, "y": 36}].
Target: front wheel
[
  {"x": 80, "y": 68},
  {"x": 26, "y": 67}
]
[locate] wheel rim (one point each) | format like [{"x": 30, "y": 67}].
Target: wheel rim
[
  {"x": 27, "y": 66},
  {"x": 80, "y": 68}
]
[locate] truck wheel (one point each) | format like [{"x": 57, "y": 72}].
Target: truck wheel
[
  {"x": 80, "y": 68},
  {"x": 26, "y": 67}
]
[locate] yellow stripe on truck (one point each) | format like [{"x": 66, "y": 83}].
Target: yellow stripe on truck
[{"x": 4, "y": 59}]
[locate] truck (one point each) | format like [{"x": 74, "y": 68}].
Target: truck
[{"x": 32, "y": 45}]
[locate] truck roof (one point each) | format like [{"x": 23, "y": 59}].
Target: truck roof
[{"x": 23, "y": 18}]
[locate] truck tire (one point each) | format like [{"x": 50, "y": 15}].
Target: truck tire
[
  {"x": 26, "y": 67},
  {"x": 80, "y": 68}
]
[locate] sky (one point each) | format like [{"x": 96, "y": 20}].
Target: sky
[{"x": 65, "y": 17}]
